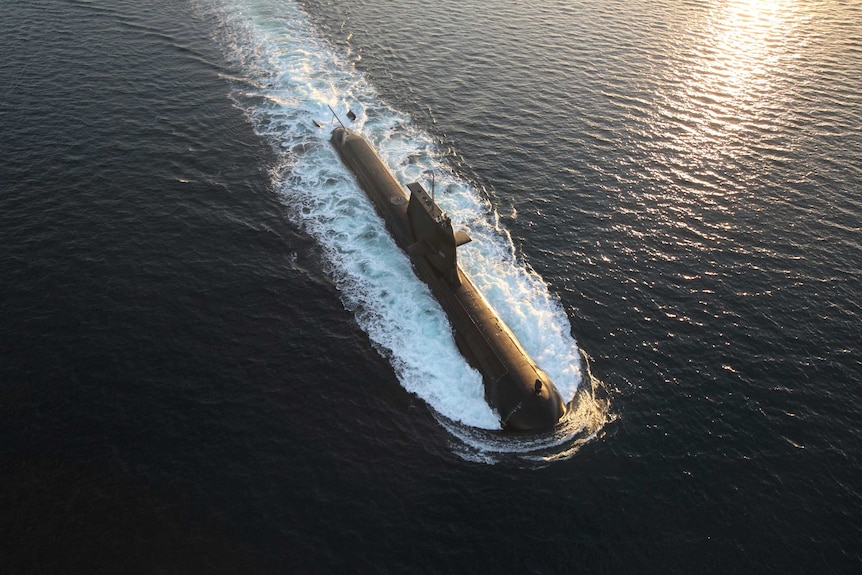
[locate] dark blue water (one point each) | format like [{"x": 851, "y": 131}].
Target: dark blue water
[{"x": 192, "y": 380}]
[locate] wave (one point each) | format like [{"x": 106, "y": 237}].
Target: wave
[{"x": 288, "y": 78}]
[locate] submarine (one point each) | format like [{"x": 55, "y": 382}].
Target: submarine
[{"x": 521, "y": 393}]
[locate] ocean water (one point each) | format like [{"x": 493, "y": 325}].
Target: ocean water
[{"x": 214, "y": 359}]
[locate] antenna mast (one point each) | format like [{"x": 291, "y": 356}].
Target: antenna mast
[{"x": 336, "y": 116}]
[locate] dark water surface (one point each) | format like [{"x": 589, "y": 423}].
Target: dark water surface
[{"x": 183, "y": 390}]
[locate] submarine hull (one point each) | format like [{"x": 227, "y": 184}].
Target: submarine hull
[{"x": 522, "y": 394}]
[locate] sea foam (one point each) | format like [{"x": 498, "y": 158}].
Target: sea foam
[{"x": 289, "y": 76}]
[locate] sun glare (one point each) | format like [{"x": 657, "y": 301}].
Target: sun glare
[
  {"x": 746, "y": 42},
  {"x": 735, "y": 72}
]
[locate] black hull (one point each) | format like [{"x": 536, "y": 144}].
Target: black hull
[{"x": 521, "y": 393}]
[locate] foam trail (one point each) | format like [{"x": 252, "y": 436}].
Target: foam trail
[{"x": 290, "y": 76}]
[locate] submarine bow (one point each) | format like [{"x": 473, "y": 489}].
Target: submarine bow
[{"x": 522, "y": 394}]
